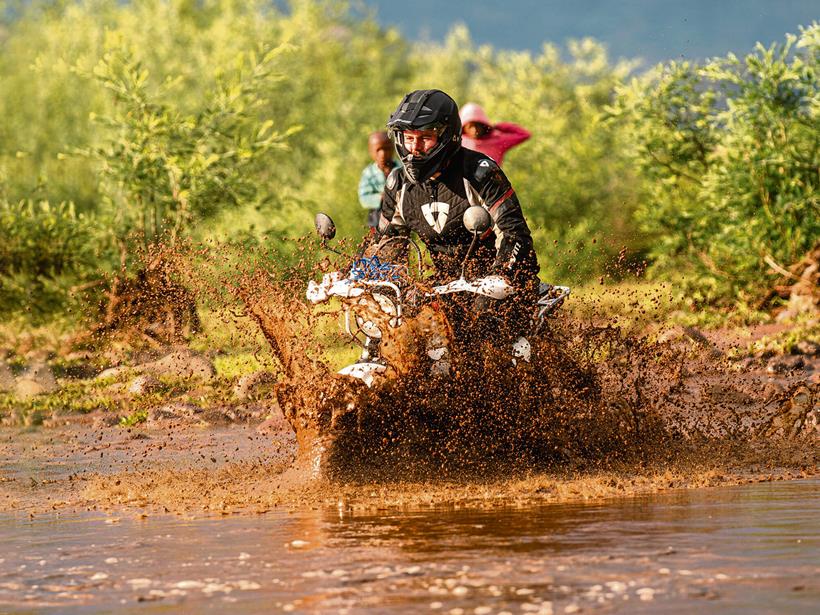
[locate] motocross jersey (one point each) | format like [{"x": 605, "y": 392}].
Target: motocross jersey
[{"x": 433, "y": 210}]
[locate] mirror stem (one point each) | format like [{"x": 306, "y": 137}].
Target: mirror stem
[
  {"x": 469, "y": 253},
  {"x": 327, "y": 247}
]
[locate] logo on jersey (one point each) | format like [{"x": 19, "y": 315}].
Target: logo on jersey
[
  {"x": 391, "y": 180},
  {"x": 436, "y": 214},
  {"x": 484, "y": 163}
]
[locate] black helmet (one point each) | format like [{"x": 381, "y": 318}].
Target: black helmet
[{"x": 426, "y": 110}]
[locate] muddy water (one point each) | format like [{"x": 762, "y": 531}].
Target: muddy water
[{"x": 729, "y": 550}]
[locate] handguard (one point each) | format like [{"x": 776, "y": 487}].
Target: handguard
[
  {"x": 364, "y": 273},
  {"x": 332, "y": 285},
  {"x": 364, "y": 371},
  {"x": 493, "y": 286}
]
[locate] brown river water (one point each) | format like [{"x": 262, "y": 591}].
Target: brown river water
[{"x": 731, "y": 549}]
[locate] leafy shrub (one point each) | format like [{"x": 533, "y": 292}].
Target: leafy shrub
[
  {"x": 155, "y": 69},
  {"x": 163, "y": 169},
  {"x": 712, "y": 167},
  {"x": 44, "y": 251},
  {"x": 42, "y": 240},
  {"x": 729, "y": 150}
]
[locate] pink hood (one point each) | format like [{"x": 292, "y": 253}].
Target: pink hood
[{"x": 471, "y": 112}]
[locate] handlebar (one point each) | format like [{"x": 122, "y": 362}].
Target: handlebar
[{"x": 407, "y": 240}]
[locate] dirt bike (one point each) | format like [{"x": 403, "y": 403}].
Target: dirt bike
[{"x": 388, "y": 310}]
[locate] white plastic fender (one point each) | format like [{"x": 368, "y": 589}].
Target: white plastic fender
[
  {"x": 369, "y": 328},
  {"x": 493, "y": 286},
  {"x": 332, "y": 285},
  {"x": 363, "y": 371}
]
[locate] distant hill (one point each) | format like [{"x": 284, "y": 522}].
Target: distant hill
[{"x": 654, "y": 30}]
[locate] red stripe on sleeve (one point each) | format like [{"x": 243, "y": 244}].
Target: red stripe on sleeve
[{"x": 503, "y": 198}]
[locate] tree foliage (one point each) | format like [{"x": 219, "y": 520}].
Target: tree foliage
[
  {"x": 45, "y": 250},
  {"x": 43, "y": 239},
  {"x": 237, "y": 121},
  {"x": 730, "y": 153},
  {"x": 163, "y": 169}
]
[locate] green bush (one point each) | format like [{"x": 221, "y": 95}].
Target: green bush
[
  {"x": 152, "y": 70},
  {"x": 45, "y": 250},
  {"x": 729, "y": 151},
  {"x": 237, "y": 121},
  {"x": 42, "y": 240},
  {"x": 164, "y": 170}
]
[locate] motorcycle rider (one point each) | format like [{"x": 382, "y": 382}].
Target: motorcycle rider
[{"x": 429, "y": 193}]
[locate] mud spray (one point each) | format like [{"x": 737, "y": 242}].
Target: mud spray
[
  {"x": 596, "y": 412},
  {"x": 592, "y": 397}
]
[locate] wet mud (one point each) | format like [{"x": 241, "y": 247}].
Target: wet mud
[
  {"x": 235, "y": 470},
  {"x": 592, "y": 397},
  {"x": 598, "y": 412}
]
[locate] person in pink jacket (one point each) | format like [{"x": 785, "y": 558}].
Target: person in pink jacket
[{"x": 480, "y": 135}]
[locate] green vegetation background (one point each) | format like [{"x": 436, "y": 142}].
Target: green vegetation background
[{"x": 126, "y": 123}]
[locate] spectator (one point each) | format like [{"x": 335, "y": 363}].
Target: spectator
[
  {"x": 480, "y": 135},
  {"x": 371, "y": 184}
]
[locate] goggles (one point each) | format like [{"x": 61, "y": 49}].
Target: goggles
[{"x": 422, "y": 131}]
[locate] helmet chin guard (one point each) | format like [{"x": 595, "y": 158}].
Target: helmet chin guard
[{"x": 426, "y": 110}]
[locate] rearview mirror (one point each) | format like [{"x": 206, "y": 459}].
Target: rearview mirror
[
  {"x": 324, "y": 226},
  {"x": 477, "y": 219}
]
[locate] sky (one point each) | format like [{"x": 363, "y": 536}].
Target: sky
[{"x": 653, "y": 30}]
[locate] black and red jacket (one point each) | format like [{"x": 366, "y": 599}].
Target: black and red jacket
[{"x": 433, "y": 210}]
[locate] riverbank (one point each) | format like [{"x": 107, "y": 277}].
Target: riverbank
[{"x": 241, "y": 470}]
